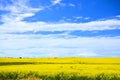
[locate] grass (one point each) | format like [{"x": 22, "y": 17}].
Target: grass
[{"x": 60, "y": 68}]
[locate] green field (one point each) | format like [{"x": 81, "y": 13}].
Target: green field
[{"x": 59, "y": 68}]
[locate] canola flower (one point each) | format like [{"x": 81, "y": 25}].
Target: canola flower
[{"x": 60, "y": 68}]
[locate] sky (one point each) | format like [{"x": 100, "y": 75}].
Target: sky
[{"x": 59, "y": 28}]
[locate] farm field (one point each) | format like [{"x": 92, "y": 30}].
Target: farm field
[{"x": 59, "y": 68}]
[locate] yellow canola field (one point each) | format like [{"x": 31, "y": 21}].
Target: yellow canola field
[
  {"x": 63, "y": 60},
  {"x": 52, "y": 66}
]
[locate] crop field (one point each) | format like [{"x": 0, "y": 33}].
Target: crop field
[{"x": 59, "y": 68}]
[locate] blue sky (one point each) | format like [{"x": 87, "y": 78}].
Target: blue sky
[{"x": 59, "y": 28}]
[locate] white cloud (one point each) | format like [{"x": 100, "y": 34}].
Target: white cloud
[
  {"x": 78, "y": 17},
  {"x": 54, "y": 2},
  {"x": 21, "y": 26},
  {"x": 18, "y": 10},
  {"x": 72, "y": 5},
  {"x": 86, "y": 18},
  {"x": 41, "y": 46}
]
